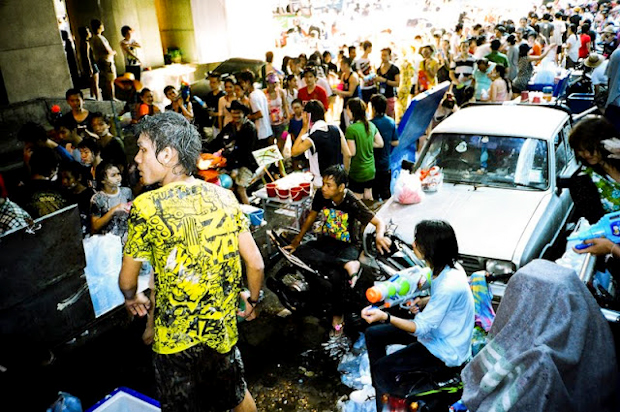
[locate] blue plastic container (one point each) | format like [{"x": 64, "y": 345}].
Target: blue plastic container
[
  {"x": 579, "y": 102},
  {"x": 125, "y": 399}
]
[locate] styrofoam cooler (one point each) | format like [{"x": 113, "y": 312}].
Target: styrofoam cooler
[{"x": 124, "y": 399}]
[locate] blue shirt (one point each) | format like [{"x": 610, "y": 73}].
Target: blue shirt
[
  {"x": 387, "y": 128},
  {"x": 446, "y": 324}
]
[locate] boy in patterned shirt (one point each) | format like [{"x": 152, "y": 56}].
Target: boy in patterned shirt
[{"x": 195, "y": 236}]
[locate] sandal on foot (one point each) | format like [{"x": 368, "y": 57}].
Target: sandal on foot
[{"x": 337, "y": 330}]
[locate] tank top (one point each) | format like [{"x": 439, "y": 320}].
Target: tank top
[
  {"x": 346, "y": 84},
  {"x": 327, "y": 145},
  {"x": 276, "y": 113}
]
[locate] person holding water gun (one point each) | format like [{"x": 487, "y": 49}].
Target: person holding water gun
[
  {"x": 439, "y": 338},
  {"x": 595, "y": 188}
]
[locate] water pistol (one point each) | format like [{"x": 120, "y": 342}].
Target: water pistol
[
  {"x": 185, "y": 92},
  {"x": 401, "y": 288},
  {"x": 608, "y": 226}
]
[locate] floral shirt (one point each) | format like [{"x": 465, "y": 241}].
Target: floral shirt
[{"x": 608, "y": 190}]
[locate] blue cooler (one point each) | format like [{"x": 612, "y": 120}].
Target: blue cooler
[
  {"x": 580, "y": 102},
  {"x": 125, "y": 399}
]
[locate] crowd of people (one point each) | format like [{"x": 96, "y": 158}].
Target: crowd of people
[{"x": 340, "y": 113}]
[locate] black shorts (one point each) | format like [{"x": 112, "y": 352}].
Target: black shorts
[
  {"x": 200, "y": 379},
  {"x": 358, "y": 187},
  {"x": 367, "y": 94}
]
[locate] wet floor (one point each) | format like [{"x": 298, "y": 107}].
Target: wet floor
[{"x": 286, "y": 369}]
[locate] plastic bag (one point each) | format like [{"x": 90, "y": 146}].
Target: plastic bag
[
  {"x": 66, "y": 403},
  {"x": 546, "y": 73},
  {"x": 355, "y": 366},
  {"x": 104, "y": 256},
  {"x": 408, "y": 189},
  {"x": 288, "y": 145}
]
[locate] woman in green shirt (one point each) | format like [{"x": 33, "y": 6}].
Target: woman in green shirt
[{"x": 362, "y": 137}]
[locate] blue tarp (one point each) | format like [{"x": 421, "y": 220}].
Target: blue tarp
[{"x": 413, "y": 125}]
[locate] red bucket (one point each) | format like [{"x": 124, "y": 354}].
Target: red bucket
[
  {"x": 271, "y": 189},
  {"x": 306, "y": 188},
  {"x": 297, "y": 193},
  {"x": 283, "y": 193}
]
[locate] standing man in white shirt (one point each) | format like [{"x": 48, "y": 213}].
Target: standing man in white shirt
[
  {"x": 130, "y": 50},
  {"x": 259, "y": 107}
]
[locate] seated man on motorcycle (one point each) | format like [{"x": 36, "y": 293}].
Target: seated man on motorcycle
[
  {"x": 333, "y": 251},
  {"x": 439, "y": 338}
]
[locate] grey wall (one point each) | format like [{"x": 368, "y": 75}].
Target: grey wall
[
  {"x": 32, "y": 56},
  {"x": 176, "y": 27}
]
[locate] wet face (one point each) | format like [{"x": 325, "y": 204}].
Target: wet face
[
  {"x": 148, "y": 98},
  {"x": 330, "y": 189},
  {"x": 87, "y": 156},
  {"x": 113, "y": 178},
  {"x": 150, "y": 168},
  {"x": 100, "y": 127},
  {"x": 75, "y": 101},
  {"x": 67, "y": 180},
  {"x": 229, "y": 88}
]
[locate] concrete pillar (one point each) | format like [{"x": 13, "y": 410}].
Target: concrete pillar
[
  {"x": 176, "y": 26},
  {"x": 140, "y": 15},
  {"x": 32, "y": 56}
]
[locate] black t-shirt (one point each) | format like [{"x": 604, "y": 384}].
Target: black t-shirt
[
  {"x": 70, "y": 123},
  {"x": 237, "y": 145},
  {"x": 337, "y": 220},
  {"x": 384, "y": 89},
  {"x": 40, "y": 198},
  {"x": 212, "y": 101},
  {"x": 327, "y": 145}
]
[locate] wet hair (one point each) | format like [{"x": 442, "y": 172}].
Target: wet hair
[
  {"x": 588, "y": 134},
  {"x": 125, "y": 30},
  {"x": 170, "y": 129},
  {"x": 168, "y": 88},
  {"x": 495, "y": 44},
  {"x": 379, "y": 103},
  {"x": 358, "y": 112},
  {"x": 43, "y": 161},
  {"x": 89, "y": 144},
  {"x": 316, "y": 110},
  {"x": 32, "y": 132},
  {"x": 246, "y": 76},
  {"x": 73, "y": 92},
  {"x": 337, "y": 173},
  {"x": 366, "y": 45},
  {"x": 101, "y": 172},
  {"x": 436, "y": 240},
  {"x": 94, "y": 25}
]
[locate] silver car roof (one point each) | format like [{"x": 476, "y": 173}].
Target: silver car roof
[{"x": 537, "y": 122}]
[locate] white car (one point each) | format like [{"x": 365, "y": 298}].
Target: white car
[{"x": 500, "y": 191}]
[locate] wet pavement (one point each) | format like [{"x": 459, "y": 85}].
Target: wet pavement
[{"x": 286, "y": 369}]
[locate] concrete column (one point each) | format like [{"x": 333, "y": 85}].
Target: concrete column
[
  {"x": 176, "y": 26},
  {"x": 32, "y": 56},
  {"x": 140, "y": 15}
]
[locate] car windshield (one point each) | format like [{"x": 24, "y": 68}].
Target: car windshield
[{"x": 500, "y": 161}]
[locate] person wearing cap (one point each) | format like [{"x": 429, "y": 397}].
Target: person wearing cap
[
  {"x": 236, "y": 142},
  {"x": 609, "y": 40},
  {"x": 598, "y": 64},
  {"x": 127, "y": 88}
]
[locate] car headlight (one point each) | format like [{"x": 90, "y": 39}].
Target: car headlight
[{"x": 499, "y": 267}]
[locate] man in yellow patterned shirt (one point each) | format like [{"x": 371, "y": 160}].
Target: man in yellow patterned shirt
[{"x": 195, "y": 235}]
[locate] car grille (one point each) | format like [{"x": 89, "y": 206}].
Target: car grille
[{"x": 471, "y": 264}]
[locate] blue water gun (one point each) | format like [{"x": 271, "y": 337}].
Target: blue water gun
[{"x": 608, "y": 227}]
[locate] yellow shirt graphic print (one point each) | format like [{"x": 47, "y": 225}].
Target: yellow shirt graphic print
[{"x": 189, "y": 233}]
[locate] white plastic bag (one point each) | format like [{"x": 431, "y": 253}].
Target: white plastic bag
[
  {"x": 408, "y": 189},
  {"x": 545, "y": 73},
  {"x": 288, "y": 145}
]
